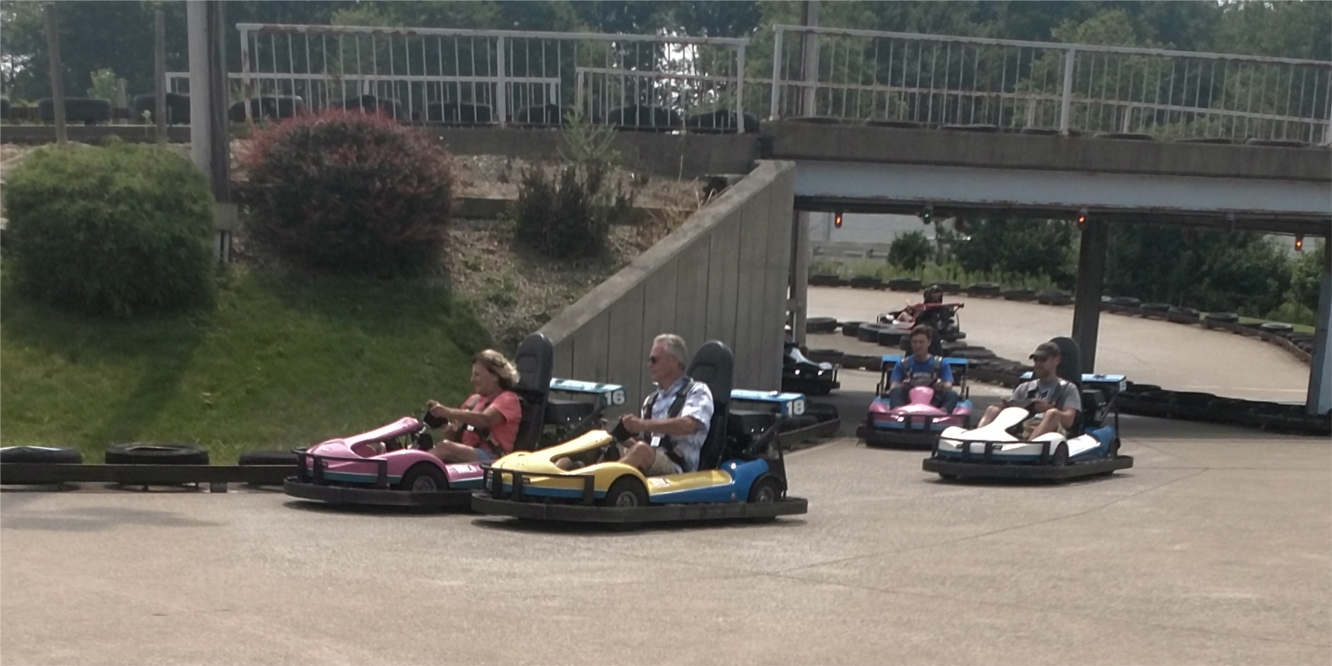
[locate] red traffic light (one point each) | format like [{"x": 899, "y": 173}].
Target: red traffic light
[
  {"x": 1299, "y": 243},
  {"x": 837, "y": 220}
]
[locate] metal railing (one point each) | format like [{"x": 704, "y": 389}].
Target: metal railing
[
  {"x": 938, "y": 80},
  {"x": 505, "y": 76}
]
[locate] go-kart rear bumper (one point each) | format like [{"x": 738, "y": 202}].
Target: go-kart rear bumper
[
  {"x": 483, "y": 502},
  {"x": 330, "y": 494},
  {"x": 898, "y": 437},
  {"x": 1002, "y": 470}
]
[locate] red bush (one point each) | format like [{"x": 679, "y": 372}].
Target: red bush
[{"x": 348, "y": 192}]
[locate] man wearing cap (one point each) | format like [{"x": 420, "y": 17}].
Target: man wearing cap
[{"x": 1053, "y": 401}]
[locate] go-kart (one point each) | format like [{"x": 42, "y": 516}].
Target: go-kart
[
  {"x": 740, "y": 475},
  {"x": 931, "y": 311},
  {"x": 801, "y": 375},
  {"x": 392, "y": 465},
  {"x": 998, "y": 451},
  {"x": 917, "y": 423}
]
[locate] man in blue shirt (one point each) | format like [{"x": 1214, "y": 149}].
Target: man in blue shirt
[{"x": 921, "y": 368}]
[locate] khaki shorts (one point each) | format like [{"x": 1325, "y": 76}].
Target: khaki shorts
[
  {"x": 1030, "y": 427},
  {"x": 662, "y": 465}
]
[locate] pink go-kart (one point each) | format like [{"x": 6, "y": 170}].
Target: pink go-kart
[
  {"x": 392, "y": 465},
  {"x": 917, "y": 423}
]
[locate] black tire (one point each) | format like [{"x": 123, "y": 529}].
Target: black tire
[
  {"x": 888, "y": 336},
  {"x": 267, "y": 458},
  {"x": 904, "y": 284},
  {"x": 1222, "y": 317},
  {"x": 820, "y": 325},
  {"x": 869, "y": 332},
  {"x": 1155, "y": 307},
  {"x": 865, "y": 282},
  {"x": 983, "y": 289},
  {"x": 766, "y": 490},
  {"x": 1021, "y": 294},
  {"x": 948, "y": 287},
  {"x": 626, "y": 492},
  {"x": 1060, "y": 456},
  {"x": 40, "y": 454},
  {"x": 149, "y": 453},
  {"x": 1276, "y": 327},
  {"x": 851, "y": 328},
  {"x": 1124, "y": 301},
  {"x": 424, "y": 477}
]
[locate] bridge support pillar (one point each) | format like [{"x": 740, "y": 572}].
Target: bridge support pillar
[
  {"x": 798, "y": 304},
  {"x": 1320, "y": 372},
  {"x": 1091, "y": 280}
]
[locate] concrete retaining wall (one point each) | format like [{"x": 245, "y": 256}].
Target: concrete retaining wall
[{"x": 722, "y": 275}]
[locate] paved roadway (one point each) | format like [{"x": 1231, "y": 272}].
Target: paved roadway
[
  {"x": 1215, "y": 548},
  {"x": 1175, "y": 356}
]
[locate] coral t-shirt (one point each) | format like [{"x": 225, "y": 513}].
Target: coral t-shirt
[{"x": 502, "y": 433}]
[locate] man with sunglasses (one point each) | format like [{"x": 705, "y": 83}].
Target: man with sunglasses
[
  {"x": 1053, "y": 401},
  {"x": 674, "y": 425}
]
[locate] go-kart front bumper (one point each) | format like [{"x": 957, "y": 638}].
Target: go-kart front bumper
[
  {"x": 311, "y": 484},
  {"x": 514, "y": 499},
  {"x": 352, "y": 495},
  {"x": 982, "y": 470}
]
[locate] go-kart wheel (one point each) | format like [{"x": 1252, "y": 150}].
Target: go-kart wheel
[
  {"x": 424, "y": 478},
  {"x": 626, "y": 493},
  {"x": 1060, "y": 456},
  {"x": 766, "y": 490}
]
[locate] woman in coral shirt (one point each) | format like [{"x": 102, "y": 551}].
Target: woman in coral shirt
[{"x": 486, "y": 425}]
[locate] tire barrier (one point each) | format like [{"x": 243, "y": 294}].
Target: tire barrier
[
  {"x": 1207, "y": 408},
  {"x": 948, "y": 287},
  {"x": 1019, "y": 294},
  {"x": 889, "y": 337},
  {"x": 851, "y": 328},
  {"x": 1182, "y": 315},
  {"x": 904, "y": 284},
  {"x": 1124, "y": 301},
  {"x": 1276, "y": 327},
  {"x": 267, "y": 458},
  {"x": 983, "y": 289},
  {"x": 1155, "y": 308},
  {"x": 51, "y": 455},
  {"x": 1221, "y": 317},
  {"x": 825, "y": 280},
  {"x": 820, "y": 325},
  {"x": 869, "y": 332},
  {"x": 865, "y": 282},
  {"x": 1054, "y": 297},
  {"x": 147, "y": 453}
]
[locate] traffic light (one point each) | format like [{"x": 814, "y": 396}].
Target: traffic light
[
  {"x": 927, "y": 213},
  {"x": 1082, "y": 218},
  {"x": 837, "y": 219},
  {"x": 1299, "y": 242}
]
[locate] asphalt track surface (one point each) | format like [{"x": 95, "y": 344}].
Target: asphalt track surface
[
  {"x": 1216, "y": 547},
  {"x": 1174, "y": 356}
]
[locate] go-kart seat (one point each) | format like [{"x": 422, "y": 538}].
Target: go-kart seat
[
  {"x": 714, "y": 365},
  {"x": 1070, "y": 369},
  {"x": 535, "y": 360}
]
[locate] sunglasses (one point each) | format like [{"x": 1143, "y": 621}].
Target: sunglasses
[{"x": 1039, "y": 357}]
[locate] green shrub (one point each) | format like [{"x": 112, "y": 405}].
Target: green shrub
[
  {"x": 569, "y": 216},
  {"x": 119, "y": 230},
  {"x": 910, "y": 250},
  {"x": 348, "y": 192}
]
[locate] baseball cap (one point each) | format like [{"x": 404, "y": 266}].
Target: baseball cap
[{"x": 1046, "y": 349}]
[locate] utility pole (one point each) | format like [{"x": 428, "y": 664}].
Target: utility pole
[
  {"x": 159, "y": 73},
  {"x": 809, "y": 61},
  {"x": 57, "y": 80},
  {"x": 209, "y": 146}
]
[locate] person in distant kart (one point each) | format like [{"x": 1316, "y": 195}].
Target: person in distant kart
[
  {"x": 484, "y": 428},
  {"x": 675, "y": 419},
  {"x": 1054, "y": 402},
  {"x": 920, "y": 368}
]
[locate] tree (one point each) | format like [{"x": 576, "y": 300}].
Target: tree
[{"x": 910, "y": 251}]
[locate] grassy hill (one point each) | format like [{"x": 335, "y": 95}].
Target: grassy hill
[{"x": 284, "y": 360}]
